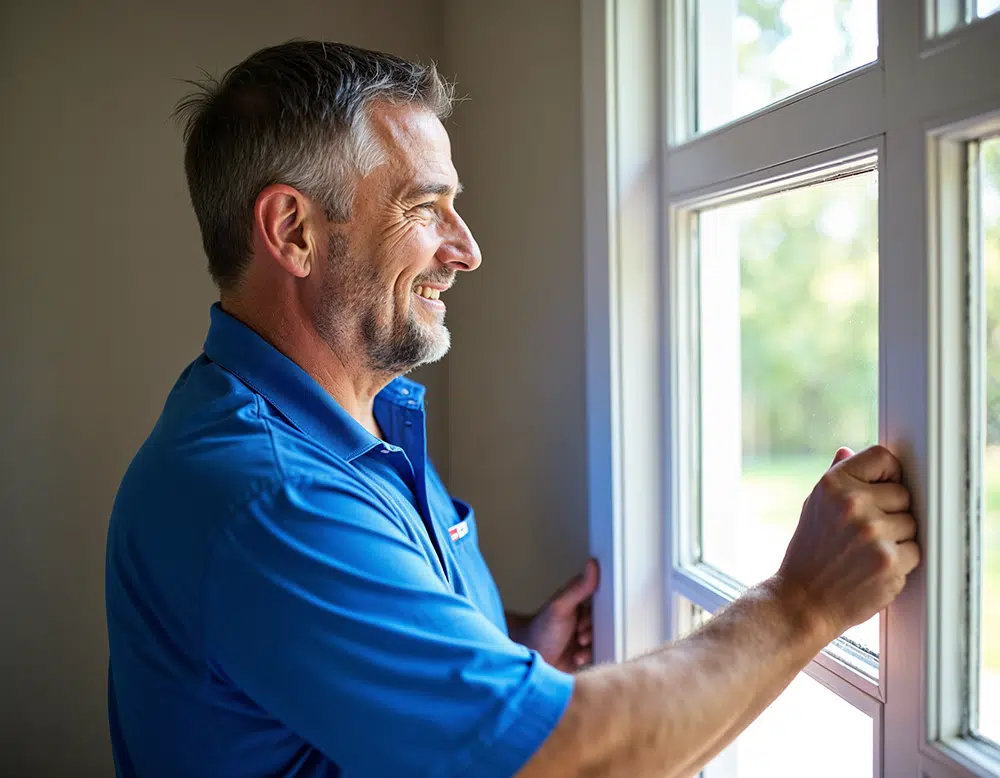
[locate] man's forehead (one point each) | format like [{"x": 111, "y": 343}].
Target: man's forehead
[{"x": 409, "y": 133}]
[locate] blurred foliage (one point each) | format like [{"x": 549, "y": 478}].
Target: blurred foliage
[
  {"x": 809, "y": 311},
  {"x": 809, "y": 318},
  {"x": 991, "y": 197}
]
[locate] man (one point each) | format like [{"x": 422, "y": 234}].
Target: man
[{"x": 291, "y": 591}]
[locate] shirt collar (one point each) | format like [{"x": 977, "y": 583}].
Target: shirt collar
[{"x": 296, "y": 394}]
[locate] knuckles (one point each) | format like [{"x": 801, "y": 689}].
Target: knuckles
[
  {"x": 885, "y": 557},
  {"x": 883, "y": 457},
  {"x": 868, "y": 531},
  {"x": 883, "y": 454},
  {"x": 852, "y": 505}
]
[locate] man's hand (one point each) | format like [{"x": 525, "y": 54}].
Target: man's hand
[
  {"x": 854, "y": 545},
  {"x": 671, "y": 711},
  {"x": 562, "y": 631}
]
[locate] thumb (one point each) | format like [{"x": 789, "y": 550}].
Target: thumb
[
  {"x": 842, "y": 453},
  {"x": 580, "y": 588}
]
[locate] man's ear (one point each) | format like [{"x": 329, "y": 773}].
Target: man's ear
[{"x": 285, "y": 224}]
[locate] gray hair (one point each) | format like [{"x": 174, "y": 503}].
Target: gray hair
[{"x": 292, "y": 114}]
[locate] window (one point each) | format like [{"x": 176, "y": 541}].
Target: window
[
  {"x": 963, "y": 617},
  {"x": 782, "y": 740},
  {"x": 785, "y": 743},
  {"x": 751, "y": 53},
  {"x": 984, "y": 200},
  {"x": 944, "y": 16},
  {"x": 782, "y": 260},
  {"x": 788, "y": 331}
]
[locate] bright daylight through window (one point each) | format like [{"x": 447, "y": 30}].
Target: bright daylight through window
[
  {"x": 788, "y": 298},
  {"x": 830, "y": 255},
  {"x": 988, "y": 712},
  {"x": 794, "y": 731},
  {"x": 752, "y": 53},
  {"x": 945, "y": 16}
]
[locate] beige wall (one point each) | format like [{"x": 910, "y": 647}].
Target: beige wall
[
  {"x": 517, "y": 429},
  {"x": 103, "y": 300}
]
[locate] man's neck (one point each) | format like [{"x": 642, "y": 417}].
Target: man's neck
[{"x": 335, "y": 367}]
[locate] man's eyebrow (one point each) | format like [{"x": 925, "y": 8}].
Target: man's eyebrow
[{"x": 433, "y": 188}]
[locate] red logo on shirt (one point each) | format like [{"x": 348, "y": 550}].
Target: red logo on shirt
[{"x": 459, "y": 531}]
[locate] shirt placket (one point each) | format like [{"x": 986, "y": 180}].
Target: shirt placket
[{"x": 409, "y": 460}]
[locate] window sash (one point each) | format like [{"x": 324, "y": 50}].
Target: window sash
[{"x": 638, "y": 393}]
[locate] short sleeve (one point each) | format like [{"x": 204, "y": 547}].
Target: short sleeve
[{"x": 325, "y": 614}]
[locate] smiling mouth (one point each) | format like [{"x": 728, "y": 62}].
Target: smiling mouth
[{"x": 427, "y": 293}]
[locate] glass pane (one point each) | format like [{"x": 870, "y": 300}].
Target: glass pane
[
  {"x": 789, "y": 362},
  {"x": 809, "y": 730},
  {"x": 989, "y": 675},
  {"x": 949, "y": 15},
  {"x": 754, "y": 52},
  {"x": 987, "y": 7}
]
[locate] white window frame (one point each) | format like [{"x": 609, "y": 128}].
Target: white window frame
[
  {"x": 954, "y": 231},
  {"x": 914, "y": 108}
]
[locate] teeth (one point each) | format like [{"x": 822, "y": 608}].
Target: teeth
[{"x": 427, "y": 292}]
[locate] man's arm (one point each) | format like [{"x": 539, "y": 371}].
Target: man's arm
[
  {"x": 668, "y": 713},
  {"x": 318, "y": 602}
]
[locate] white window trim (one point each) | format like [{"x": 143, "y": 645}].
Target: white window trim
[
  {"x": 621, "y": 135},
  {"x": 902, "y": 106},
  {"x": 948, "y": 614}
]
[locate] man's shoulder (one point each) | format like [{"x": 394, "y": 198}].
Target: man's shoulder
[{"x": 217, "y": 442}]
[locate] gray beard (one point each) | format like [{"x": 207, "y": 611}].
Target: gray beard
[{"x": 351, "y": 298}]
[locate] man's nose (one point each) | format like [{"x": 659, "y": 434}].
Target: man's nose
[{"x": 460, "y": 250}]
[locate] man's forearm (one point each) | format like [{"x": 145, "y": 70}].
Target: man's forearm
[{"x": 669, "y": 712}]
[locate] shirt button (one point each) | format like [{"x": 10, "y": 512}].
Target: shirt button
[
  {"x": 385, "y": 451},
  {"x": 412, "y": 403},
  {"x": 404, "y": 392}
]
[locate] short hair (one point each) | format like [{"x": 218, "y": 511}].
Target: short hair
[{"x": 292, "y": 114}]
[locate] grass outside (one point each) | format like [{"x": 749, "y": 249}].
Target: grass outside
[{"x": 778, "y": 486}]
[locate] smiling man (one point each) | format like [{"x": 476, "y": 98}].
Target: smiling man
[{"x": 291, "y": 590}]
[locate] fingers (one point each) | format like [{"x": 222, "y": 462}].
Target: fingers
[
  {"x": 899, "y": 527},
  {"x": 591, "y": 578},
  {"x": 873, "y": 465},
  {"x": 580, "y": 588},
  {"x": 584, "y": 653},
  {"x": 585, "y": 630},
  {"x": 842, "y": 453},
  {"x": 909, "y": 556},
  {"x": 890, "y": 497}
]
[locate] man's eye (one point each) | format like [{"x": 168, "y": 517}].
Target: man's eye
[{"x": 430, "y": 206}]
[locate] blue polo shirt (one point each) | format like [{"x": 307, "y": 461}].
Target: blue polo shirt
[{"x": 288, "y": 595}]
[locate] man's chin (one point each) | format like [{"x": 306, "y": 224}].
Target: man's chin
[
  {"x": 425, "y": 345},
  {"x": 438, "y": 346}
]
